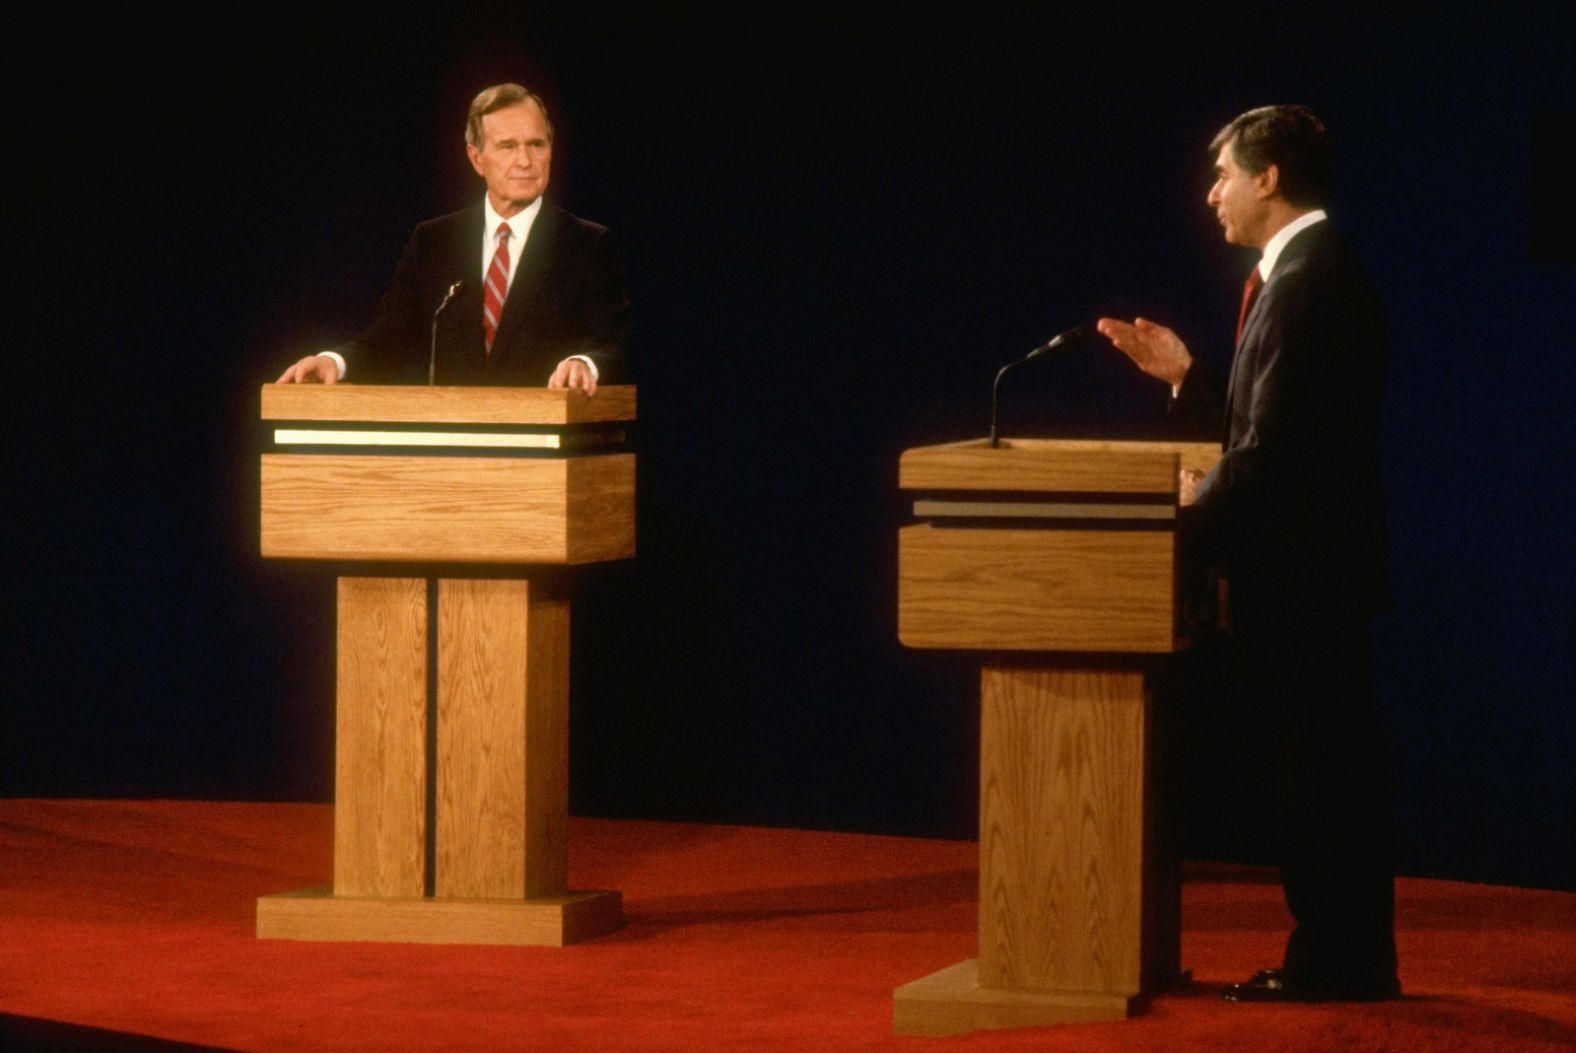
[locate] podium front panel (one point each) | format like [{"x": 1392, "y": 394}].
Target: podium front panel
[
  {"x": 1036, "y": 590},
  {"x": 448, "y": 509}
]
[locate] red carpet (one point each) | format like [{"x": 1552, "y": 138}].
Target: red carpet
[{"x": 136, "y": 917}]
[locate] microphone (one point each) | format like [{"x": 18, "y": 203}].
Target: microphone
[
  {"x": 432, "y": 354},
  {"x": 1060, "y": 340}
]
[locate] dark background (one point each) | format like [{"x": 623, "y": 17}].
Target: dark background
[{"x": 834, "y": 233}]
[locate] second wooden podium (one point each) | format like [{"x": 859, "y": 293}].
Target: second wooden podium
[
  {"x": 1057, "y": 559},
  {"x": 452, "y": 517}
]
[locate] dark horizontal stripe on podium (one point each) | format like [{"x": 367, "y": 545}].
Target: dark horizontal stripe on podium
[
  {"x": 1150, "y": 498},
  {"x": 1040, "y": 510},
  {"x": 1049, "y": 523},
  {"x": 435, "y": 571}
]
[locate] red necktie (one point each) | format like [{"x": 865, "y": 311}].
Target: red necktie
[
  {"x": 497, "y": 287},
  {"x": 1250, "y": 292}
]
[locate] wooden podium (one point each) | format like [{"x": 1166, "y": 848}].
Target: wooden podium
[
  {"x": 451, "y": 516},
  {"x": 1058, "y": 559}
]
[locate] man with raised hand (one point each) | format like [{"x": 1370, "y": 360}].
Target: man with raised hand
[{"x": 1294, "y": 514}]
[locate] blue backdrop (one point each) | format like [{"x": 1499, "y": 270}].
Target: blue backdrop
[{"x": 834, "y": 233}]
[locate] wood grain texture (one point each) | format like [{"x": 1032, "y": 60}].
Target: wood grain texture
[
  {"x": 1022, "y": 465},
  {"x": 601, "y": 508},
  {"x": 1054, "y": 465},
  {"x": 1199, "y": 455},
  {"x": 952, "y": 1002},
  {"x": 503, "y": 739},
  {"x": 448, "y": 509},
  {"x": 445, "y": 405},
  {"x": 1036, "y": 590},
  {"x": 547, "y": 737},
  {"x": 552, "y": 921},
  {"x": 380, "y": 757},
  {"x": 1062, "y": 867}
]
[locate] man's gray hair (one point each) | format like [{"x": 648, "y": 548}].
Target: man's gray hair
[{"x": 500, "y": 97}]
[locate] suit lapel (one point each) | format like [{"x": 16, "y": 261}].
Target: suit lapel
[
  {"x": 1247, "y": 347},
  {"x": 1249, "y": 324},
  {"x": 460, "y": 347},
  {"x": 467, "y": 248},
  {"x": 528, "y": 276}
]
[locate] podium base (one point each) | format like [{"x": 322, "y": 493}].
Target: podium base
[
  {"x": 952, "y": 1002},
  {"x": 546, "y": 921}
]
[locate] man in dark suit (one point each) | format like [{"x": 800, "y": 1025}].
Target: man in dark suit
[
  {"x": 518, "y": 291},
  {"x": 1294, "y": 514}
]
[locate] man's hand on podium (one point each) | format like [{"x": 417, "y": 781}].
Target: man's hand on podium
[
  {"x": 313, "y": 369},
  {"x": 573, "y": 373}
]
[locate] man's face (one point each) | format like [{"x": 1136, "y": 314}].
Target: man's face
[
  {"x": 1241, "y": 200},
  {"x": 516, "y": 156}
]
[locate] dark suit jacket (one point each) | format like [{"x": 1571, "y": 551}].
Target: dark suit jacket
[
  {"x": 1294, "y": 511},
  {"x": 567, "y": 298}
]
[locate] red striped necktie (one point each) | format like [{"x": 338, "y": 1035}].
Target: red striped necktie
[
  {"x": 1250, "y": 292},
  {"x": 497, "y": 287}
]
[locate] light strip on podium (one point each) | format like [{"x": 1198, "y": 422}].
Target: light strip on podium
[{"x": 323, "y": 437}]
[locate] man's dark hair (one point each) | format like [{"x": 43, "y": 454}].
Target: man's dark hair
[
  {"x": 1294, "y": 140},
  {"x": 498, "y": 97}
]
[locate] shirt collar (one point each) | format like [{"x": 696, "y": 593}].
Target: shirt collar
[
  {"x": 519, "y": 223},
  {"x": 1282, "y": 238}
]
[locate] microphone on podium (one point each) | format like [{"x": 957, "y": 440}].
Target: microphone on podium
[
  {"x": 1056, "y": 342},
  {"x": 432, "y": 354}
]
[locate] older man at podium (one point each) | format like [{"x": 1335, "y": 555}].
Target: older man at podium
[{"x": 511, "y": 291}]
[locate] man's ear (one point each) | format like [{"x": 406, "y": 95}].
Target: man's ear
[
  {"x": 475, "y": 157},
  {"x": 1267, "y": 182}
]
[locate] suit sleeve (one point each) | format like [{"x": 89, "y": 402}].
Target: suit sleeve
[
  {"x": 385, "y": 351},
  {"x": 604, "y": 311},
  {"x": 1196, "y": 408}
]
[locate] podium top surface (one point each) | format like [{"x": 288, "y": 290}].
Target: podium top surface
[
  {"x": 446, "y": 405},
  {"x": 1054, "y": 465}
]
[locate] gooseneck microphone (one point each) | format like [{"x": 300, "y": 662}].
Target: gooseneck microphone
[
  {"x": 1058, "y": 341},
  {"x": 432, "y": 354}
]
